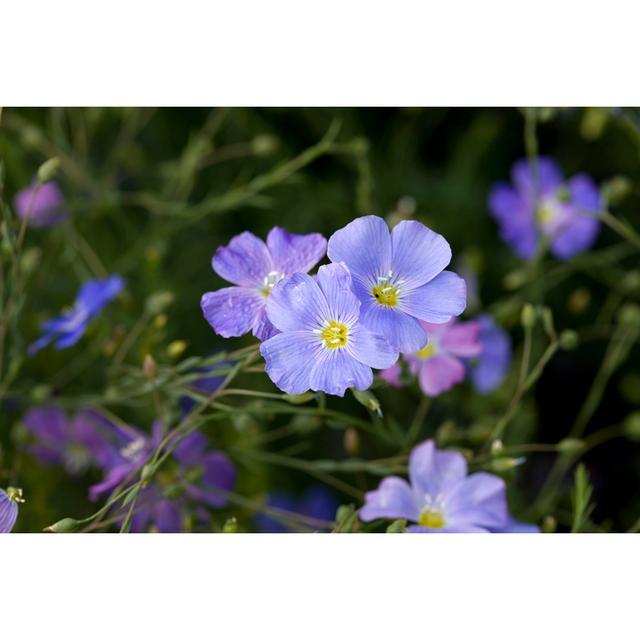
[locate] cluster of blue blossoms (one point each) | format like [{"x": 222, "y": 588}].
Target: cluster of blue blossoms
[{"x": 386, "y": 299}]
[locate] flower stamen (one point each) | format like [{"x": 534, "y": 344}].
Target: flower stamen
[{"x": 334, "y": 335}]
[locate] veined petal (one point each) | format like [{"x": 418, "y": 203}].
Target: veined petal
[
  {"x": 434, "y": 472},
  {"x": 8, "y": 512},
  {"x": 335, "y": 370},
  {"x": 418, "y": 254},
  {"x": 297, "y": 304},
  {"x": 292, "y": 252},
  {"x": 403, "y": 332},
  {"x": 371, "y": 349},
  {"x": 289, "y": 359},
  {"x": 392, "y": 499},
  {"x": 437, "y": 301},
  {"x": 245, "y": 261},
  {"x": 335, "y": 282},
  {"x": 364, "y": 245},
  {"x": 231, "y": 311},
  {"x": 479, "y": 500},
  {"x": 262, "y": 327},
  {"x": 439, "y": 374}
]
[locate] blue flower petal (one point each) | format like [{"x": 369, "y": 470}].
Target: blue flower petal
[
  {"x": 394, "y": 498},
  {"x": 289, "y": 358},
  {"x": 245, "y": 261},
  {"x": 8, "y": 512},
  {"x": 231, "y": 311},
  {"x": 437, "y": 301},
  {"x": 401, "y": 330},
  {"x": 435, "y": 472},
  {"x": 334, "y": 371},
  {"x": 291, "y": 252}
]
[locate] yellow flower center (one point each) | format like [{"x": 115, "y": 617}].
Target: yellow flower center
[
  {"x": 428, "y": 351},
  {"x": 270, "y": 281},
  {"x": 545, "y": 214},
  {"x": 385, "y": 294},
  {"x": 431, "y": 518},
  {"x": 334, "y": 335}
]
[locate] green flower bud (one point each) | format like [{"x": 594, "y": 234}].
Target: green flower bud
[
  {"x": 66, "y": 525},
  {"x": 230, "y": 526},
  {"x": 48, "y": 170},
  {"x": 570, "y": 445},
  {"x": 351, "y": 441},
  {"x": 549, "y": 525},
  {"x": 367, "y": 399},
  {"x": 264, "y": 144},
  {"x": 569, "y": 339},
  {"x": 149, "y": 367},
  {"x": 528, "y": 316},
  {"x": 397, "y": 526},
  {"x": 632, "y": 426},
  {"x": 176, "y": 348},
  {"x": 158, "y": 301},
  {"x": 299, "y": 398},
  {"x": 629, "y": 314},
  {"x": 500, "y": 465}
]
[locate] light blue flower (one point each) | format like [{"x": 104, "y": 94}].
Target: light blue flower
[
  {"x": 323, "y": 346},
  {"x": 65, "y": 330},
  {"x": 441, "y": 497},
  {"x": 399, "y": 278},
  {"x": 9, "y": 508},
  {"x": 494, "y": 360}
]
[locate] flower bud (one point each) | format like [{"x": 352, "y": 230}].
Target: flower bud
[
  {"x": 66, "y": 525},
  {"x": 158, "y": 301},
  {"x": 629, "y": 314},
  {"x": 569, "y": 340},
  {"x": 264, "y": 144},
  {"x": 299, "y": 398},
  {"x": 48, "y": 170},
  {"x": 579, "y": 300},
  {"x": 351, "y": 441},
  {"x": 367, "y": 399},
  {"x": 632, "y": 426},
  {"x": 500, "y": 465},
  {"x": 149, "y": 367},
  {"x": 397, "y": 526},
  {"x": 549, "y": 525},
  {"x": 230, "y": 526},
  {"x": 570, "y": 445},
  {"x": 616, "y": 190},
  {"x": 176, "y": 348},
  {"x": 528, "y": 316}
]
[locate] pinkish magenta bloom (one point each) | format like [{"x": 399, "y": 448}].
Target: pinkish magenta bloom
[
  {"x": 399, "y": 278},
  {"x": 563, "y": 212},
  {"x": 43, "y": 205},
  {"x": 392, "y": 375},
  {"x": 441, "y": 364},
  {"x": 322, "y": 344},
  {"x": 255, "y": 268},
  {"x": 441, "y": 497}
]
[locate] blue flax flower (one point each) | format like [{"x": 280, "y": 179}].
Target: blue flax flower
[
  {"x": 562, "y": 212},
  {"x": 9, "y": 508},
  {"x": 323, "y": 346},
  {"x": 399, "y": 278},
  {"x": 441, "y": 497},
  {"x": 255, "y": 268},
  {"x": 74, "y": 443},
  {"x": 494, "y": 360},
  {"x": 68, "y": 328},
  {"x": 316, "y": 502}
]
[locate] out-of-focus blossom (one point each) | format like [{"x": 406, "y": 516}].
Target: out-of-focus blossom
[
  {"x": 74, "y": 443},
  {"x": 9, "y": 500},
  {"x": 205, "y": 385},
  {"x": 441, "y": 497},
  {"x": 256, "y": 267},
  {"x": 562, "y": 211},
  {"x": 392, "y": 375},
  {"x": 399, "y": 278},
  {"x": 323, "y": 346},
  {"x": 315, "y": 502},
  {"x": 43, "y": 205},
  {"x": 441, "y": 364},
  {"x": 65, "y": 330},
  {"x": 493, "y": 362}
]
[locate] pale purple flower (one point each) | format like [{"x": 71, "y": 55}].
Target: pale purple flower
[
  {"x": 565, "y": 212},
  {"x": 515, "y": 526},
  {"x": 440, "y": 365},
  {"x": 74, "y": 443},
  {"x": 323, "y": 346},
  {"x": 43, "y": 204},
  {"x": 255, "y": 268},
  {"x": 65, "y": 330},
  {"x": 392, "y": 375},
  {"x": 9, "y": 508},
  {"x": 399, "y": 277},
  {"x": 441, "y": 497},
  {"x": 492, "y": 364}
]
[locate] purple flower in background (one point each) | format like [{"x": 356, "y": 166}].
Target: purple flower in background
[
  {"x": 202, "y": 476},
  {"x": 256, "y": 267},
  {"x": 563, "y": 212},
  {"x": 43, "y": 205},
  {"x": 9, "y": 508},
  {"x": 315, "y": 502},
  {"x": 398, "y": 277},
  {"x": 72, "y": 443},
  {"x": 323, "y": 346},
  {"x": 68, "y": 328},
  {"x": 440, "y": 497},
  {"x": 514, "y": 526},
  {"x": 441, "y": 364},
  {"x": 392, "y": 375},
  {"x": 493, "y": 362},
  {"x": 207, "y": 384}
]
